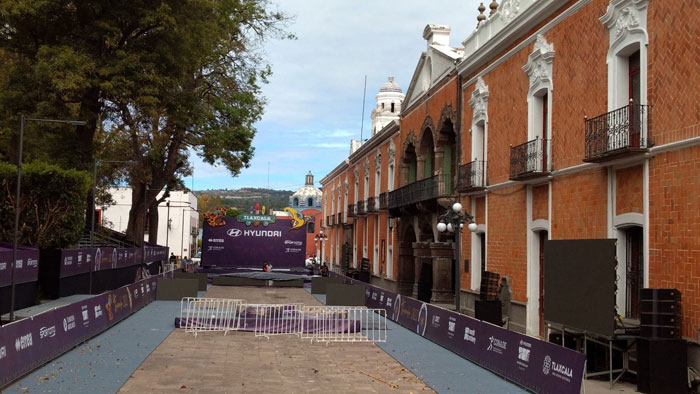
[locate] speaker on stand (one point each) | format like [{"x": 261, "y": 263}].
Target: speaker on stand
[{"x": 662, "y": 355}]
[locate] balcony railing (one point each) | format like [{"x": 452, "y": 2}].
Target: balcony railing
[
  {"x": 617, "y": 133},
  {"x": 425, "y": 189},
  {"x": 529, "y": 160},
  {"x": 472, "y": 176},
  {"x": 340, "y": 218},
  {"x": 361, "y": 208},
  {"x": 371, "y": 205},
  {"x": 351, "y": 210},
  {"x": 384, "y": 201}
]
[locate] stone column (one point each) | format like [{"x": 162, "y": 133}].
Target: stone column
[
  {"x": 420, "y": 168},
  {"x": 421, "y": 253},
  {"x": 442, "y": 254},
  {"x": 406, "y": 270}
]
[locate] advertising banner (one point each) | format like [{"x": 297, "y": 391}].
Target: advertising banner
[
  {"x": 26, "y": 267},
  {"x": 535, "y": 364},
  {"x": 78, "y": 261},
  {"x": 31, "y": 342},
  {"x": 248, "y": 243}
]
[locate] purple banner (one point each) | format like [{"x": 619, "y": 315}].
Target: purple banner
[
  {"x": 26, "y": 267},
  {"x": 537, "y": 365},
  {"x": 29, "y": 343},
  {"x": 78, "y": 261},
  {"x": 237, "y": 244}
]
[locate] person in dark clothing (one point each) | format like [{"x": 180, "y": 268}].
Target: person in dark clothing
[{"x": 324, "y": 269}]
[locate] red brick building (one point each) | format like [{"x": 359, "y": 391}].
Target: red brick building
[{"x": 556, "y": 120}]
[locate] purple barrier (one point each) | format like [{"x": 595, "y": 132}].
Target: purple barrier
[
  {"x": 26, "y": 269},
  {"x": 78, "y": 261},
  {"x": 29, "y": 343},
  {"x": 535, "y": 364}
]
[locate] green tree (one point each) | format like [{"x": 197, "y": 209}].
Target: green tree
[{"x": 155, "y": 79}]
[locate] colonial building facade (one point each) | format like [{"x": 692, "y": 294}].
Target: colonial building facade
[{"x": 555, "y": 120}]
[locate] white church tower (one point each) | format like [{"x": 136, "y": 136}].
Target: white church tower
[{"x": 389, "y": 101}]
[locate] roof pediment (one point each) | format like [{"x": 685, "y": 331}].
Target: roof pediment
[{"x": 433, "y": 64}]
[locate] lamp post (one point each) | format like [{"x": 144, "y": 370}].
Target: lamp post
[
  {"x": 453, "y": 220},
  {"x": 22, "y": 119},
  {"x": 320, "y": 237}
]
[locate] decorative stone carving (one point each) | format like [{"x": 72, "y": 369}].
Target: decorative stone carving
[
  {"x": 391, "y": 153},
  {"x": 479, "y": 100},
  {"x": 539, "y": 64},
  {"x": 625, "y": 22},
  {"x": 378, "y": 161},
  {"x": 624, "y": 17},
  {"x": 509, "y": 9},
  {"x": 366, "y": 166}
]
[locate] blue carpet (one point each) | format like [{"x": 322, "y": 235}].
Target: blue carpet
[{"x": 104, "y": 363}]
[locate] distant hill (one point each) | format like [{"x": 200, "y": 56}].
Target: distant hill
[{"x": 242, "y": 199}]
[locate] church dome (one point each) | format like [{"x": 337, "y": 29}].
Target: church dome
[
  {"x": 308, "y": 196},
  {"x": 390, "y": 86}
]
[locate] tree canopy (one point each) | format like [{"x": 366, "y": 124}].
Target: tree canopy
[{"x": 154, "y": 79}]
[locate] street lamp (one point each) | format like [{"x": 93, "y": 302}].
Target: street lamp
[
  {"x": 453, "y": 221},
  {"x": 22, "y": 119},
  {"x": 320, "y": 238}
]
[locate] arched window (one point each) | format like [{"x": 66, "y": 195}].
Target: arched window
[
  {"x": 310, "y": 202},
  {"x": 296, "y": 202}
]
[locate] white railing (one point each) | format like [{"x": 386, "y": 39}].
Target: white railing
[
  {"x": 210, "y": 314},
  {"x": 276, "y": 319},
  {"x": 344, "y": 324}
]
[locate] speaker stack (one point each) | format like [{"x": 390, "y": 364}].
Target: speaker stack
[
  {"x": 489, "y": 286},
  {"x": 662, "y": 359}
]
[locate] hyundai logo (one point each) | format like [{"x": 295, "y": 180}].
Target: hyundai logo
[{"x": 234, "y": 232}]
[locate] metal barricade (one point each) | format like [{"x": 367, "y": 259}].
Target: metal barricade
[
  {"x": 210, "y": 314},
  {"x": 275, "y": 319},
  {"x": 343, "y": 324}
]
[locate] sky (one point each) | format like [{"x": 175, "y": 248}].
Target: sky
[{"x": 315, "y": 95}]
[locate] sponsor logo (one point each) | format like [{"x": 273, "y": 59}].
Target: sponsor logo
[
  {"x": 547, "y": 365},
  {"x": 18, "y": 264},
  {"x": 374, "y": 296},
  {"x": 32, "y": 263},
  {"x": 3, "y": 352},
  {"x": 524, "y": 349},
  {"x": 23, "y": 342},
  {"x": 422, "y": 319},
  {"x": 255, "y": 219},
  {"x": 496, "y": 345},
  {"x": 470, "y": 335},
  {"x": 148, "y": 288},
  {"x": 234, "y": 232},
  {"x": 68, "y": 260},
  {"x": 86, "y": 315},
  {"x": 3, "y": 266},
  {"x": 69, "y": 323},
  {"x": 388, "y": 302},
  {"x": 451, "y": 326},
  {"x": 47, "y": 332},
  {"x": 98, "y": 311},
  {"x": 397, "y": 308},
  {"x": 219, "y": 240},
  {"x": 381, "y": 297},
  {"x": 261, "y": 233}
]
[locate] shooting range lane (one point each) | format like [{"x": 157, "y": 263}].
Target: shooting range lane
[{"x": 239, "y": 362}]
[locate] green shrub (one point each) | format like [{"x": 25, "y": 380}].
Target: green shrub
[{"x": 52, "y": 204}]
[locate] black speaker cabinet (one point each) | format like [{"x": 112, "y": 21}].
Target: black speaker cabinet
[
  {"x": 662, "y": 366},
  {"x": 489, "y": 311},
  {"x": 661, "y": 314}
]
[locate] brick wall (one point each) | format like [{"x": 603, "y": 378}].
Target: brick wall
[
  {"x": 674, "y": 223},
  {"x": 506, "y": 237},
  {"x": 629, "y": 194},
  {"x": 578, "y": 205},
  {"x": 540, "y": 202}
]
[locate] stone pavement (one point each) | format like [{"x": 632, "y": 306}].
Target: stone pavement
[{"x": 241, "y": 363}]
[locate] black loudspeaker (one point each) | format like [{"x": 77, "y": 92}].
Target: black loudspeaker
[
  {"x": 489, "y": 286},
  {"x": 661, "y": 314},
  {"x": 489, "y": 311},
  {"x": 662, "y": 366}
]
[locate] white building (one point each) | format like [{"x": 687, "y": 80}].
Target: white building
[
  {"x": 175, "y": 214},
  {"x": 389, "y": 101}
]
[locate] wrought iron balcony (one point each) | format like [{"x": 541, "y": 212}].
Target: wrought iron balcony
[
  {"x": 423, "y": 190},
  {"x": 351, "y": 210},
  {"x": 472, "y": 176},
  {"x": 529, "y": 160},
  {"x": 340, "y": 218},
  {"x": 360, "y": 210},
  {"x": 371, "y": 205},
  {"x": 618, "y": 133},
  {"x": 384, "y": 201}
]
